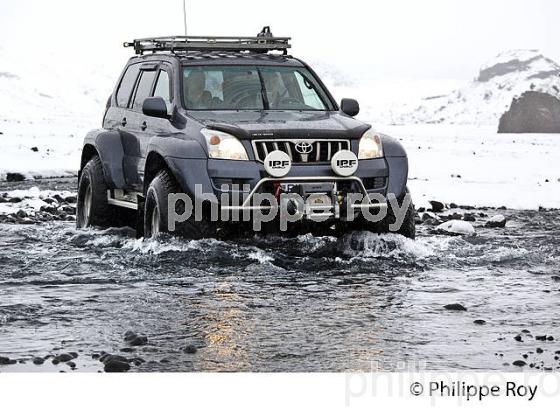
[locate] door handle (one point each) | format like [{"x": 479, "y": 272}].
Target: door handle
[
  {"x": 123, "y": 122},
  {"x": 144, "y": 126}
]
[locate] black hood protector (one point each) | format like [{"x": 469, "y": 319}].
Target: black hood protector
[{"x": 282, "y": 124}]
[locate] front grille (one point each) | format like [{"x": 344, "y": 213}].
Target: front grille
[{"x": 314, "y": 150}]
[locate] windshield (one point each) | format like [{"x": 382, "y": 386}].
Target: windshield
[{"x": 252, "y": 88}]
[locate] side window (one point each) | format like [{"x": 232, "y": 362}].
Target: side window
[
  {"x": 163, "y": 87},
  {"x": 126, "y": 85},
  {"x": 143, "y": 89}
]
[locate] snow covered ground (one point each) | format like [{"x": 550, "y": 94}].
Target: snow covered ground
[{"x": 476, "y": 166}]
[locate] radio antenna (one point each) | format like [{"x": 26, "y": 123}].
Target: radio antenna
[{"x": 185, "y": 15}]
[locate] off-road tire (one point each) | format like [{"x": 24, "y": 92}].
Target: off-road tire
[
  {"x": 408, "y": 227},
  {"x": 156, "y": 211},
  {"x": 92, "y": 207}
]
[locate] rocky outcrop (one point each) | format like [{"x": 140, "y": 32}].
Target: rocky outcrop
[{"x": 533, "y": 112}]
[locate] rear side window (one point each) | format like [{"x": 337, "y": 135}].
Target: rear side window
[
  {"x": 163, "y": 86},
  {"x": 144, "y": 89},
  {"x": 126, "y": 85}
]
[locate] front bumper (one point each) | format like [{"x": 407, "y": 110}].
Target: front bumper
[{"x": 245, "y": 177}]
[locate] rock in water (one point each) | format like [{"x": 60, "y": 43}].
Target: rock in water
[
  {"x": 116, "y": 364},
  {"x": 436, "y": 206},
  {"x": 190, "y": 349},
  {"x": 38, "y": 360},
  {"x": 64, "y": 357},
  {"x": 533, "y": 112},
  {"x": 7, "y": 360},
  {"x": 135, "y": 340},
  {"x": 455, "y": 306},
  {"x": 479, "y": 322},
  {"x": 497, "y": 221},
  {"x": 455, "y": 227},
  {"x": 519, "y": 363}
]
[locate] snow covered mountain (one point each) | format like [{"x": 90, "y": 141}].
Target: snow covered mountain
[{"x": 484, "y": 100}]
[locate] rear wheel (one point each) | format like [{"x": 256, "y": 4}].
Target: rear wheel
[
  {"x": 92, "y": 207},
  {"x": 156, "y": 216}
]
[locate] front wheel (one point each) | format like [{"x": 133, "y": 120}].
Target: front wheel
[
  {"x": 406, "y": 229},
  {"x": 156, "y": 217}
]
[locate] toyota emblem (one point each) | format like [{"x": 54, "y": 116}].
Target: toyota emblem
[{"x": 304, "y": 147}]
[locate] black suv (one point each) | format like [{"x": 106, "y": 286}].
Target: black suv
[{"x": 214, "y": 117}]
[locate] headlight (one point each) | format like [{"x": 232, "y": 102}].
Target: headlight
[
  {"x": 224, "y": 146},
  {"x": 370, "y": 146}
]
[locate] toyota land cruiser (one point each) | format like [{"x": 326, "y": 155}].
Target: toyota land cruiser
[{"x": 215, "y": 117}]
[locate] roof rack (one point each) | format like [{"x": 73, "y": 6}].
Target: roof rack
[{"x": 262, "y": 43}]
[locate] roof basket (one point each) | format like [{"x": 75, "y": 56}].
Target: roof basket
[{"x": 262, "y": 43}]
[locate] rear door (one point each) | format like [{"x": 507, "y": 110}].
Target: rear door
[{"x": 138, "y": 133}]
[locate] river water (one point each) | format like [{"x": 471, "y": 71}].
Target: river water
[{"x": 359, "y": 302}]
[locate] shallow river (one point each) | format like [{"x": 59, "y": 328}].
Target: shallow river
[{"x": 277, "y": 304}]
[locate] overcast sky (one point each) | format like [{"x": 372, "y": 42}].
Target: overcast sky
[{"x": 397, "y": 38}]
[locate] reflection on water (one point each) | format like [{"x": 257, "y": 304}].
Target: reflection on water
[{"x": 279, "y": 304}]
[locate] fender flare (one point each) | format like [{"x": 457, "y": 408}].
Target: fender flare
[
  {"x": 397, "y": 162},
  {"x": 185, "y": 158},
  {"x": 108, "y": 145}
]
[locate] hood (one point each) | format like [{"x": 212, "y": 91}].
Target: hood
[{"x": 282, "y": 124}]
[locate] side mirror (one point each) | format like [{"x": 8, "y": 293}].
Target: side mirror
[
  {"x": 350, "y": 107},
  {"x": 155, "y": 107}
]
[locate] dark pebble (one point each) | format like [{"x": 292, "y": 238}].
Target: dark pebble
[
  {"x": 190, "y": 349},
  {"x": 64, "y": 357},
  {"x": 71, "y": 364},
  {"x": 525, "y": 356},
  {"x": 525, "y": 331},
  {"x": 34, "y": 149},
  {"x": 128, "y": 349},
  {"x": 550, "y": 338},
  {"x": 38, "y": 360},
  {"x": 55, "y": 361},
  {"x": 437, "y": 206},
  {"x": 116, "y": 364},
  {"x": 469, "y": 218},
  {"x": 539, "y": 350},
  {"x": 129, "y": 335},
  {"x": 479, "y": 322},
  {"x": 541, "y": 338},
  {"x": 518, "y": 338},
  {"x": 139, "y": 341},
  {"x": 95, "y": 356},
  {"x": 455, "y": 306},
  {"x": 69, "y": 209},
  {"x": 519, "y": 363},
  {"x": 6, "y": 360}
]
